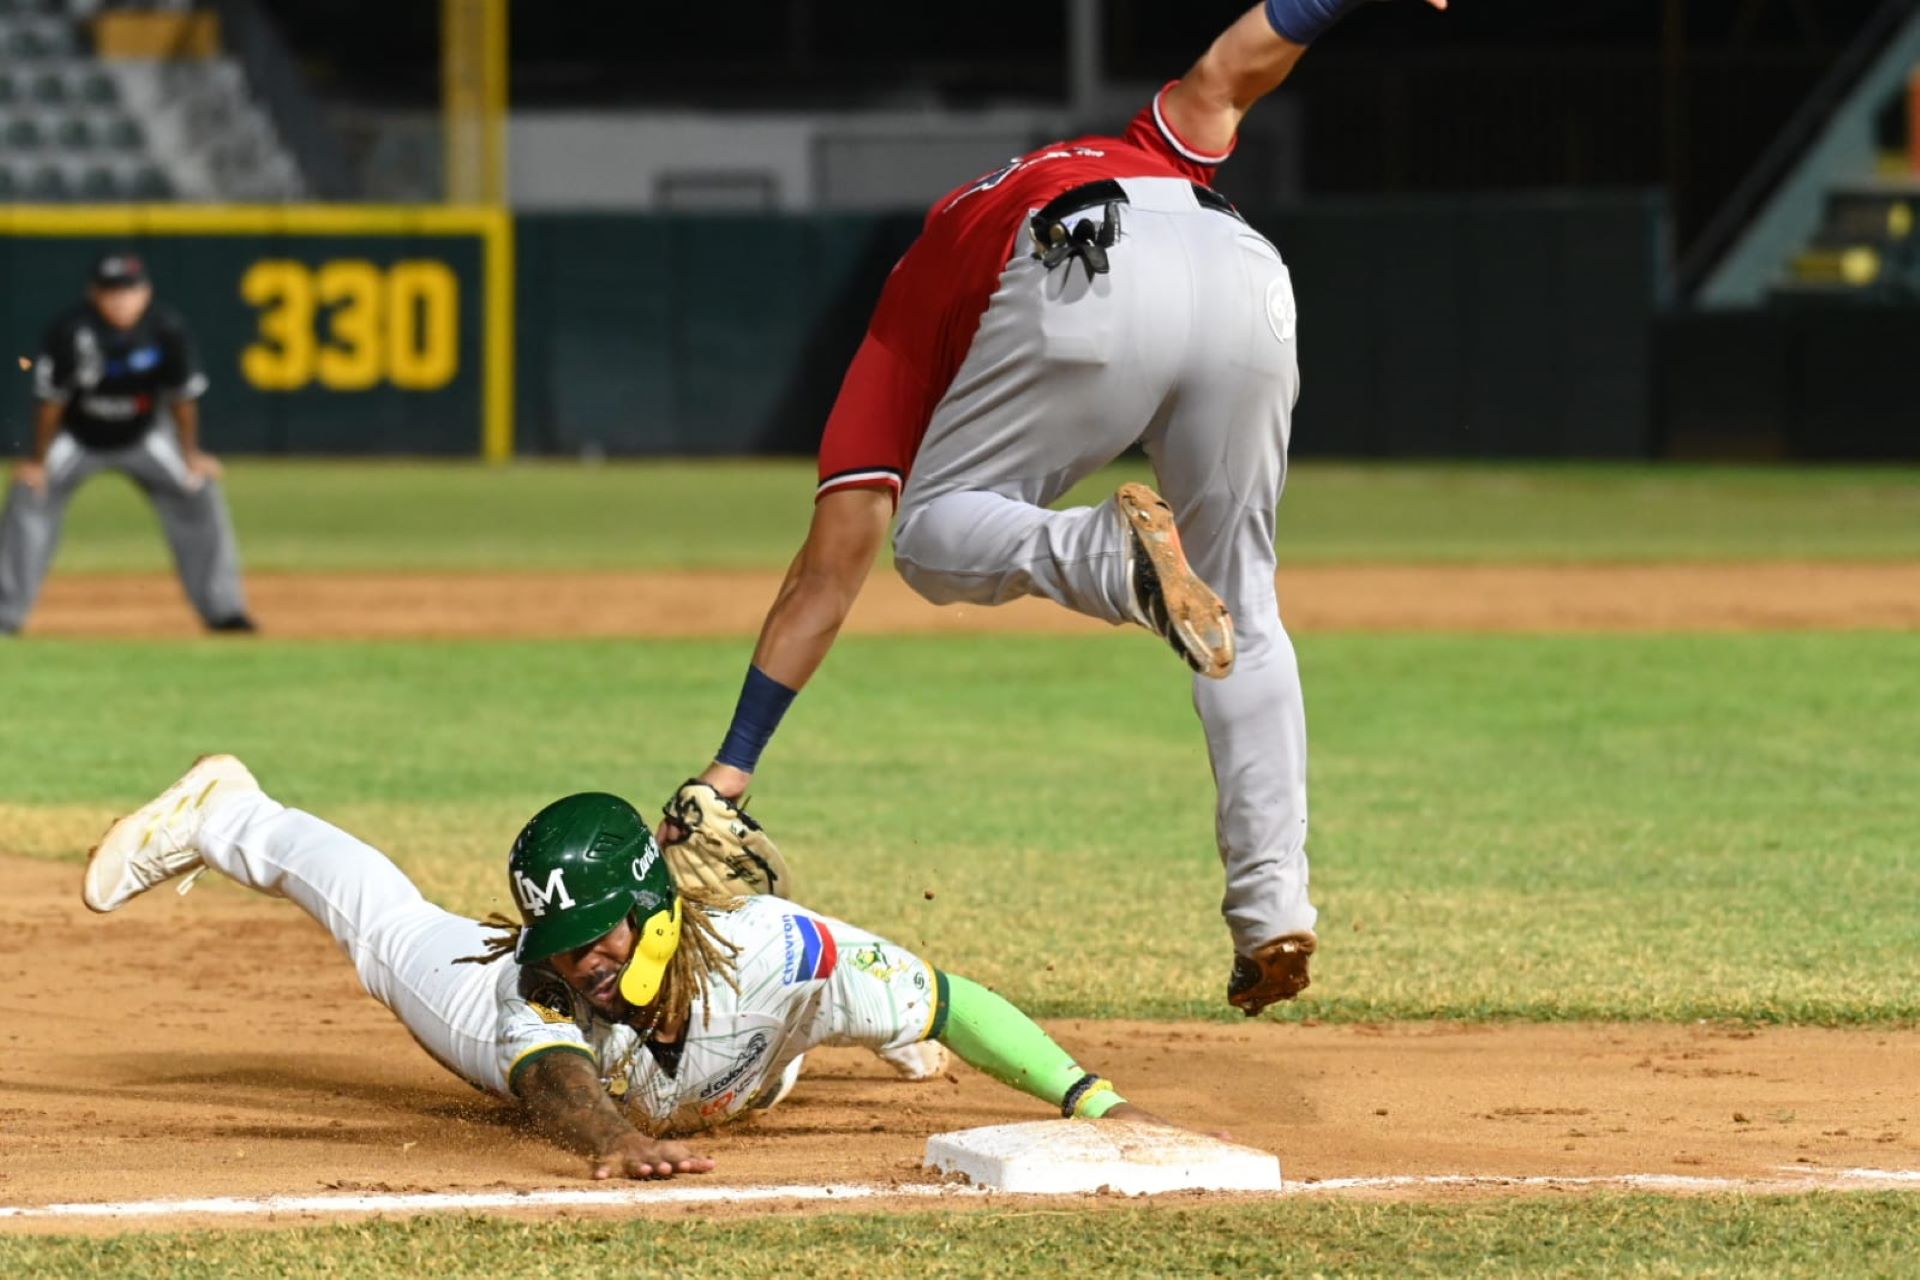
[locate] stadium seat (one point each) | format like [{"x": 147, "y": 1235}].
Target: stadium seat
[
  {"x": 100, "y": 90},
  {"x": 99, "y": 184},
  {"x": 49, "y": 184},
  {"x": 50, "y": 90},
  {"x": 151, "y": 184},
  {"x": 9, "y": 91},
  {"x": 126, "y": 134},
  {"x": 9, "y": 187},
  {"x": 24, "y": 135},
  {"x": 75, "y": 134},
  {"x": 28, "y": 42}
]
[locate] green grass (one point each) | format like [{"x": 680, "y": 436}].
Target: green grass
[
  {"x": 366, "y": 516},
  {"x": 1634, "y": 827},
  {"x": 1826, "y": 1236}
]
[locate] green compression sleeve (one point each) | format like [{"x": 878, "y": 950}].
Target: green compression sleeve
[{"x": 991, "y": 1035}]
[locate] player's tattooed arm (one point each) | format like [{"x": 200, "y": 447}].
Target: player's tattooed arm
[{"x": 567, "y": 1103}]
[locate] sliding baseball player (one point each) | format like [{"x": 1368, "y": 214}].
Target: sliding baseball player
[{"x": 637, "y": 997}]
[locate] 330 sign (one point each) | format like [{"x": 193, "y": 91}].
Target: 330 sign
[{"x": 352, "y": 325}]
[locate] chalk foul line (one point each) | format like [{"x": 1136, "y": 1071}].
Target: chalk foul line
[{"x": 1796, "y": 1179}]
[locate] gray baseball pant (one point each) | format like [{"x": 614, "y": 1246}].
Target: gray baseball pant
[
  {"x": 1188, "y": 346},
  {"x": 192, "y": 510}
]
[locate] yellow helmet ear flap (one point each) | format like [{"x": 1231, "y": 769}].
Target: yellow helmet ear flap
[{"x": 659, "y": 939}]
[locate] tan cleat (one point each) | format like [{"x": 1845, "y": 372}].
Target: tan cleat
[
  {"x": 1276, "y": 971},
  {"x": 1168, "y": 597},
  {"x": 155, "y": 842}
]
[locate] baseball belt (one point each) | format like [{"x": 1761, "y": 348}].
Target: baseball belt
[{"x": 1054, "y": 243}]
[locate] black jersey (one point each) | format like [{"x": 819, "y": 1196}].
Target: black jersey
[{"x": 114, "y": 381}]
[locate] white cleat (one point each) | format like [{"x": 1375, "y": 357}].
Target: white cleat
[
  {"x": 155, "y": 842},
  {"x": 777, "y": 1092},
  {"x": 922, "y": 1060}
]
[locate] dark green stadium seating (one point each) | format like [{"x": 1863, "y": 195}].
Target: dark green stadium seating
[
  {"x": 126, "y": 134},
  {"x": 24, "y": 135},
  {"x": 151, "y": 184},
  {"x": 50, "y": 90},
  {"x": 49, "y": 184},
  {"x": 99, "y": 185},
  {"x": 100, "y": 89},
  {"x": 76, "y": 135}
]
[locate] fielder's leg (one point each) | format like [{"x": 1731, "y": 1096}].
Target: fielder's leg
[
  {"x": 30, "y": 529},
  {"x": 1221, "y": 459},
  {"x": 1064, "y": 374},
  {"x": 193, "y": 511}
]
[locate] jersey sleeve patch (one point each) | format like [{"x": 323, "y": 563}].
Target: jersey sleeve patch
[
  {"x": 810, "y": 953},
  {"x": 546, "y": 995}
]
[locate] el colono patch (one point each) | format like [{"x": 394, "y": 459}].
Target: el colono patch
[{"x": 810, "y": 953}]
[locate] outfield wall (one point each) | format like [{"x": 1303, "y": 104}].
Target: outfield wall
[
  {"x": 1484, "y": 327},
  {"x": 1476, "y": 327}
]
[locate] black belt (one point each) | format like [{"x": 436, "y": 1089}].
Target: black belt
[
  {"x": 1109, "y": 191},
  {"x": 1055, "y": 244}
]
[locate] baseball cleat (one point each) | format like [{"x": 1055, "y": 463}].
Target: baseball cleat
[
  {"x": 1168, "y": 597},
  {"x": 922, "y": 1060},
  {"x": 1276, "y": 971},
  {"x": 776, "y": 1093},
  {"x": 155, "y": 842}
]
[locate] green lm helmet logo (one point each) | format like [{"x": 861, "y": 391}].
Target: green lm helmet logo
[{"x": 535, "y": 899}]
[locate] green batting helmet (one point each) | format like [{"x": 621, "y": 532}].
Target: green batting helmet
[{"x": 580, "y": 867}]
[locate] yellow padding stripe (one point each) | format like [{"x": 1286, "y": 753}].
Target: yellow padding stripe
[{"x": 529, "y": 1054}]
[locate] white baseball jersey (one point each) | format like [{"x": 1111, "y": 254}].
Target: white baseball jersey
[{"x": 803, "y": 979}]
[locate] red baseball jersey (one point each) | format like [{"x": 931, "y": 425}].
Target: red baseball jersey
[{"x": 932, "y": 303}]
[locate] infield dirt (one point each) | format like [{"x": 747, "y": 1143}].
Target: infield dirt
[
  {"x": 1672, "y": 597},
  {"x": 218, "y": 1044}
]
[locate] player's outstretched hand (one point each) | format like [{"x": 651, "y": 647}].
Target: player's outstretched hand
[{"x": 638, "y": 1156}]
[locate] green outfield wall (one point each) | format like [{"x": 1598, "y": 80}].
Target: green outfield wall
[{"x": 1484, "y": 327}]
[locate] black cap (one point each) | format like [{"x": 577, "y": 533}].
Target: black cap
[{"x": 119, "y": 271}]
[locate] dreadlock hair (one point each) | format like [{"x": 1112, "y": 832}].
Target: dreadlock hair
[{"x": 702, "y": 956}]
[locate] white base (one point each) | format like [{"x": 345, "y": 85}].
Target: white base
[{"x": 1061, "y": 1157}]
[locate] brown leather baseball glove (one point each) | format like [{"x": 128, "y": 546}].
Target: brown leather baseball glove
[{"x": 723, "y": 852}]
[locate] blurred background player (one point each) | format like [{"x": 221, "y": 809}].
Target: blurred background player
[
  {"x": 119, "y": 384},
  {"x": 1089, "y": 296}
]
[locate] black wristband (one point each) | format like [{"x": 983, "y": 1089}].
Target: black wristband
[{"x": 1071, "y": 1103}]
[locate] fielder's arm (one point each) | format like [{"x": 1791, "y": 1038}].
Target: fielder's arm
[
  {"x": 1251, "y": 59},
  {"x": 563, "y": 1096},
  {"x": 821, "y": 585}
]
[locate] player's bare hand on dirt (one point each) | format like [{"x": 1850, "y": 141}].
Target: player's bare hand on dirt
[
  {"x": 638, "y": 1156},
  {"x": 31, "y": 474}
]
